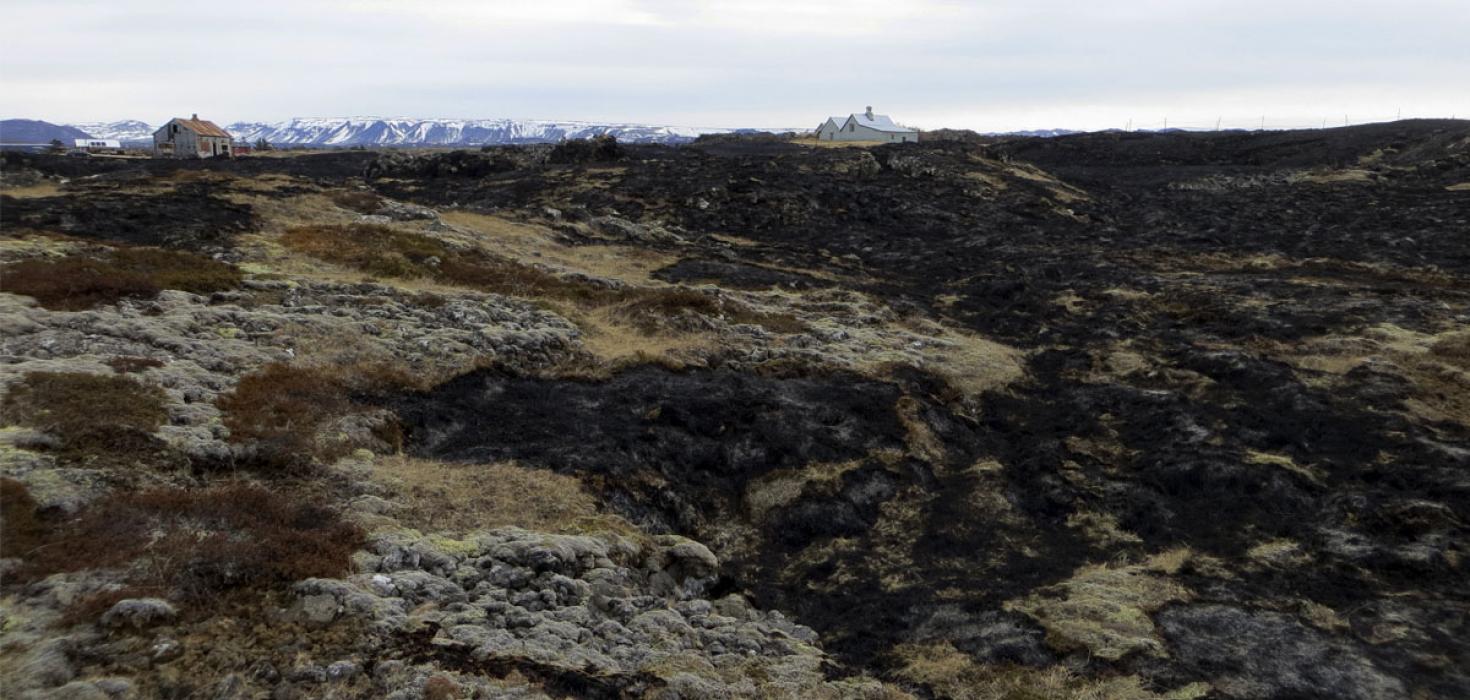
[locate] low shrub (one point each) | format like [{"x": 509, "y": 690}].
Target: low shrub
[
  {"x": 73, "y": 283},
  {"x": 441, "y": 688},
  {"x": 281, "y": 408},
  {"x": 128, "y": 364},
  {"x": 196, "y": 544},
  {"x": 95, "y": 417},
  {"x": 371, "y": 248},
  {"x": 361, "y": 201},
  {"x": 20, "y": 530},
  {"x": 77, "y": 282},
  {"x": 177, "y": 269}
]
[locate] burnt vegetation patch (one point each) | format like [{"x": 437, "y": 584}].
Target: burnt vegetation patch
[
  {"x": 190, "y": 217},
  {"x": 81, "y": 282},
  {"x": 708, "y": 431},
  {"x": 818, "y": 469}
]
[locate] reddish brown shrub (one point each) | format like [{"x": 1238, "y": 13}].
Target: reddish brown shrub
[
  {"x": 441, "y": 688},
  {"x": 127, "y": 364},
  {"x": 282, "y": 408},
  {"x": 20, "y": 530},
  {"x": 194, "y": 544},
  {"x": 96, "y": 417},
  {"x": 361, "y": 201},
  {"x": 74, "y": 283},
  {"x": 177, "y": 269},
  {"x": 374, "y": 249}
]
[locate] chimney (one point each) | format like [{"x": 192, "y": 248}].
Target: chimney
[
  {"x": 870, "y": 112},
  {"x": 196, "y": 114}
]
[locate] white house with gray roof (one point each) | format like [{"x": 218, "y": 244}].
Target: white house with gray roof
[{"x": 865, "y": 127}]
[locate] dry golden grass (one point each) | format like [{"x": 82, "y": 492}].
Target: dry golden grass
[
  {"x": 1437, "y": 366},
  {"x": 523, "y": 241},
  {"x": 1461, "y": 187},
  {"x": 44, "y": 189},
  {"x": 1063, "y": 192},
  {"x": 1106, "y": 609},
  {"x": 1101, "y": 528},
  {"x": 458, "y": 498},
  {"x": 1332, "y": 177},
  {"x": 952, "y": 674},
  {"x": 1310, "y": 473},
  {"x": 783, "y": 486},
  {"x": 814, "y": 142},
  {"x": 614, "y": 342},
  {"x": 970, "y": 363}
]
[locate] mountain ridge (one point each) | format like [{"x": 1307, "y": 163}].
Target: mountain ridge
[{"x": 407, "y": 131}]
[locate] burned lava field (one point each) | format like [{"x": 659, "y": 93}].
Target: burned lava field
[{"x": 1112, "y": 415}]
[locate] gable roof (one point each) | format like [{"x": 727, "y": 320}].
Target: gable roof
[
  {"x": 203, "y": 127},
  {"x": 880, "y": 122}
]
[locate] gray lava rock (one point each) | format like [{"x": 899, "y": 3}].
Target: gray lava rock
[
  {"x": 139, "y": 613},
  {"x": 403, "y": 211}
]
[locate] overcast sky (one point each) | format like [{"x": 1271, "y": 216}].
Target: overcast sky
[{"x": 984, "y": 64}]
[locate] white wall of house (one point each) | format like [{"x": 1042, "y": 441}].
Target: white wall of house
[
  {"x": 859, "y": 132},
  {"x": 175, "y": 141},
  {"x": 850, "y": 130},
  {"x": 828, "y": 130}
]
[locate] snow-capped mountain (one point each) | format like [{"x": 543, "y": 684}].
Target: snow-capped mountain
[
  {"x": 127, "y": 130},
  {"x": 374, "y": 131}
]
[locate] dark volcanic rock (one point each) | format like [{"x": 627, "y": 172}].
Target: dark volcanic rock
[
  {"x": 190, "y": 217},
  {"x": 1266, "y": 655},
  {"x": 735, "y": 275},
  {"x": 708, "y": 432}
]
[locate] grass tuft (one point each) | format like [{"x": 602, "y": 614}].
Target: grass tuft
[{"x": 446, "y": 497}]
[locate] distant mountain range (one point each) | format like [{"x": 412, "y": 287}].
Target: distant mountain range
[
  {"x": 128, "y": 130},
  {"x": 374, "y": 131},
  {"x": 16, "y": 131}
]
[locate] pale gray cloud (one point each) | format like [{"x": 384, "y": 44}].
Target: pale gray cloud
[{"x": 989, "y": 64}]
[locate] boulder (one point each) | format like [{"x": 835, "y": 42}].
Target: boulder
[{"x": 139, "y": 613}]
